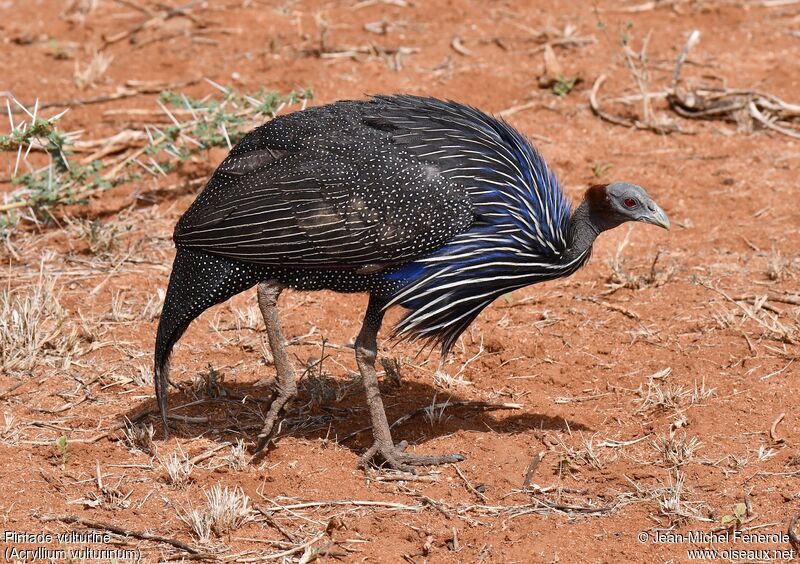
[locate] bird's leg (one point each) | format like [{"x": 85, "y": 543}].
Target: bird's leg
[
  {"x": 285, "y": 384},
  {"x": 366, "y": 351}
]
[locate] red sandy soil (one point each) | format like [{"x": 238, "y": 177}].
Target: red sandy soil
[{"x": 615, "y": 381}]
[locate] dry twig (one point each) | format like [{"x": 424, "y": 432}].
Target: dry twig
[{"x": 121, "y": 531}]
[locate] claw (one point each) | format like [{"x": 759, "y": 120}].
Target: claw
[{"x": 394, "y": 457}]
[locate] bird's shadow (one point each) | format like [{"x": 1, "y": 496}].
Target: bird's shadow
[{"x": 331, "y": 409}]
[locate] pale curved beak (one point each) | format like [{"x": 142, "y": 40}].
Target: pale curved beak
[{"x": 656, "y": 216}]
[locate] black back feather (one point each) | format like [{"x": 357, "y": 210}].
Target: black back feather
[{"x": 325, "y": 188}]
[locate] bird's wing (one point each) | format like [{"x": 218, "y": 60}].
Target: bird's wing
[
  {"x": 319, "y": 189},
  {"x": 507, "y": 179}
]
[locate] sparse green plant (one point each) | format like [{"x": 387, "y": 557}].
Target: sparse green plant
[
  {"x": 735, "y": 519},
  {"x": 57, "y": 51},
  {"x": 62, "y": 455},
  {"x": 391, "y": 366},
  {"x": 58, "y": 183},
  {"x": 564, "y": 84},
  {"x": 212, "y": 122},
  {"x": 101, "y": 238},
  {"x": 599, "y": 169}
]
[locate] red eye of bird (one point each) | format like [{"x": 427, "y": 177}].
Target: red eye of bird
[{"x": 630, "y": 202}]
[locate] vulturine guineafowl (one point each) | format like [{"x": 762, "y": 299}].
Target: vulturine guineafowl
[{"x": 425, "y": 204}]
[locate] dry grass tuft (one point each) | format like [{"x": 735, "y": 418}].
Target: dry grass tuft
[
  {"x": 780, "y": 267},
  {"x": 226, "y": 510},
  {"x": 101, "y": 238},
  {"x": 8, "y": 430},
  {"x": 655, "y": 277},
  {"x": 207, "y": 384},
  {"x": 661, "y": 394},
  {"x": 76, "y": 11},
  {"x": 676, "y": 449},
  {"x": 199, "y": 522},
  {"x": 88, "y": 76},
  {"x": 237, "y": 458},
  {"x": 139, "y": 437},
  {"x": 700, "y": 393},
  {"x": 34, "y": 327},
  {"x": 435, "y": 413},
  {"x": 143, "y": 375},
  {"x": 179, "y": 469}
]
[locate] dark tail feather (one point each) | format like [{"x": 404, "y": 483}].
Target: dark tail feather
[{"x": 198, "y": 281}]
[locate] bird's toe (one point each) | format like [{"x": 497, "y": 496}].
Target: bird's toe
[
  {"x": 429, "y": 460},
  {"x": 394, "y": 457}
]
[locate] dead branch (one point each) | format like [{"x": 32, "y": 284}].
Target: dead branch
[
  {"x": 744, "y": 107},
  {"x": 7, "y": 392},
  {"x": 406, "y": 477},
  {"x": 741, "y": 106},
  {"x": 130, "y": 89},
  {"x": 605, "y": 116},
  {"x": 535, "y": 461},
  {"x": 469, "y": 486},
  {"x": 342, "y": 502},
  {"x": 285, "y": 553},
  {"x": 779, "y": 331},
  {"x": 773, "y": 430},
  {"x": 70, "y": 519},
  {"x": 613, "y": 307},
  {"x": 153, "y": 22},
  {"x": 694, "y": 37},
  {"x": 274, "y": 523}
]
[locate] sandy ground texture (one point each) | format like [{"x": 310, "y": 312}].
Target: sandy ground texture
[{"x": 643, "y": 408}]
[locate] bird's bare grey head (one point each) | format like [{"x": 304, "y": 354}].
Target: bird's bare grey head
[{"x": 619, "y": 202}]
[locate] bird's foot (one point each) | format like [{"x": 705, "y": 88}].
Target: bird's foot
[
  {"x": 395, "y": 457},
  {"x": 280, "y": 400}
]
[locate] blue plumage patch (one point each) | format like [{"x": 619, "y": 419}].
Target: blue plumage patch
[{"x": 521, "y": 221}]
